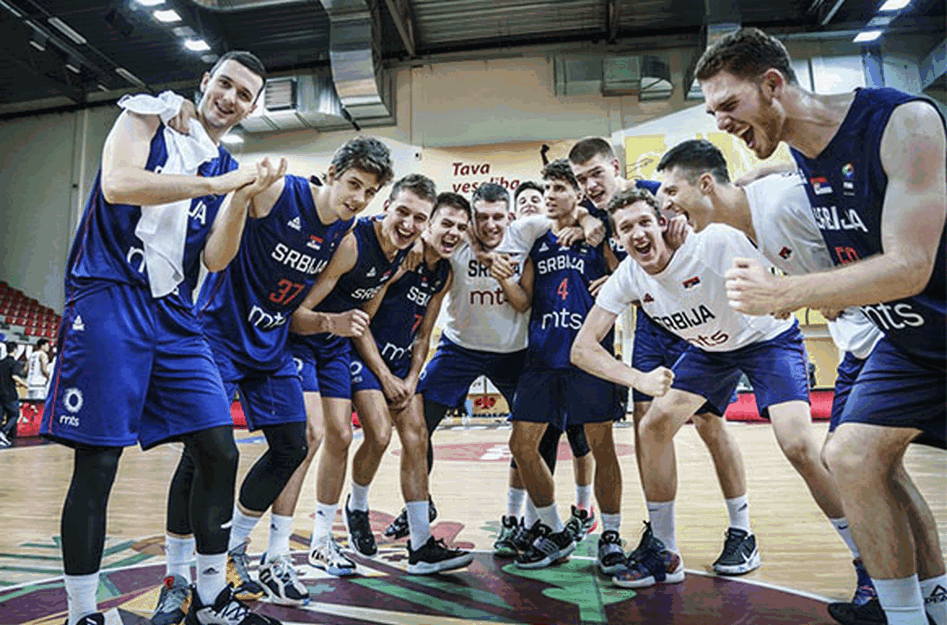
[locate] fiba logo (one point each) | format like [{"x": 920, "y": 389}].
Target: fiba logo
[{"x": 72, "y": 401}]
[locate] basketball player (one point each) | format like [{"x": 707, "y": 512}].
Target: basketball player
[
  {"x": 599, "y": 174},
  {"x": 385, "y": 374},
  {"x": 874, "y": 163},
  {"x": 37, "y": 375},
  {"x": 683, "y": 291},
  {"x": 528, "y": 199},
  {"x": 129, "y": 302},
  {"x": 367, "y": 258},
  {"x": 774, "y": 212}
]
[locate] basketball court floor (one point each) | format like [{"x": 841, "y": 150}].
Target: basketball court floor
[{"x": 804, "y": 562}]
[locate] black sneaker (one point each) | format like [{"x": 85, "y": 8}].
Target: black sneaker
[
  {"x": 399, "y": 527},
  {"x": 96, "y": 618},
  {"x": 739, "y": 555},
  {"x": 504, "y": 546},
  {"x": 361, "y": 538},
  {"x": 579, "y": 522},
  {"x": 611, "y": 556},
  {"x": 226, "y": 610},
  {"x": 523, "y": 537},
  {"x": 866, "y": 614},
  {"x": 435, "y": 556},
  {"x": 548, "y": 547},
  {"x": 173, "y": 601}
]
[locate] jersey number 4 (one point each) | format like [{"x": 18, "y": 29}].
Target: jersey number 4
[
  {"x": 563, "y": 289},
  {"x": 286, "y": 291}
]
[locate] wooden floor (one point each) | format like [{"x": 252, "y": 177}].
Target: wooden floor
[{"x": 799, "y": 548}]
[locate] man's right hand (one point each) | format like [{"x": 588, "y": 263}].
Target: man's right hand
[
  {"x": 656, "y": 382},
  {"x": 351, "y": 323},
  {"x": 501, "y": 268},
  {"x": 266, "y": 175}
]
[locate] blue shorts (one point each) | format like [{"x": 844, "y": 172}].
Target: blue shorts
[
  {"x": 777, "y": 369},
  {"x": 323, "y": 361},
  {"x": 131, "y": 369},
  {"x": 655, "y": 347},
  {"x": 895, "y": 390},
  {"x": 845, "y": 377},
  {"x": 364, "y": 379},
  {"x": 448, "y": 376},
  {"x": 563, "y": 397},
  {"x": 271, "y": 397}
]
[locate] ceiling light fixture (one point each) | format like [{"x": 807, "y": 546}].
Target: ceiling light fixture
[
  {"x": 67, "y": 30},
  {"x": 12, "y": 9},
  {"x": 127, "y": 75},
  {"x": 196, "y": 45},
  {"x": 73, "y": 65},
  {"x": 866, "y": 35},
  {"x": 168, "y": 16},
  {"x": 39, "y": 40},
  {"x": 150, "y": 3},
  {"x": 894, "y": 5}
]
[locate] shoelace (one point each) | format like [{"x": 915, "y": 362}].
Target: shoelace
[
  {"x": 240, "y": 560},
  {"x": 732, "y": 544},
  {"x": 283, "y": 569},
  {"x": 235, "y": 610},
  {"x": 335, "y": 553}
]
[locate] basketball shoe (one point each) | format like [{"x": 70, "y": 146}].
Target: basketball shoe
[{"x": 173, "y": 601}]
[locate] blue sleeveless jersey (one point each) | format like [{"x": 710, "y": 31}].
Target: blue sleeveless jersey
[
  {"x": 106, "y": 249},
  {"x": 399, "y": 316},
  {"x": 246, "y": 308},
  {"x": 846, "y": 185},
  {"x": 561, "y": 299},
  {"x": 610, "y": 238},
  {"x": 370, "y": 273}
]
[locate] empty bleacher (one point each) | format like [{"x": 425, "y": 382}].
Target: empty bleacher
[{"x": 25, "y": 316}]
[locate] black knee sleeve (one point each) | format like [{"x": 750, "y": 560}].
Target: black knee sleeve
[
  {"x": 577, "y": 440},
  {"x": 549, "y": 447},
  {"x": 269, "y": 475},
  {"x": 85, "y": 509},
  {"x": 215, "y": 457},
  {"x": 179, "y": 497},
  {"x": 433, "y": 415}
]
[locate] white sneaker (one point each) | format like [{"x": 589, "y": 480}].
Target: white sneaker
[
  {"x": 280, "y": 579},
  {"x": 328, "y": 557}
]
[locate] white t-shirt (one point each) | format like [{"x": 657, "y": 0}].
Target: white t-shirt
[
  {"x": 34, "y": 376},
  {"x": 523, "y": 233},
  {"x": 477, "y": 313},
  {"x": 689, "y": 297},
  {"x": 787, "y": 235}
]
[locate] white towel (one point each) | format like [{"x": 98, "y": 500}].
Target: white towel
[{"x": 163, "y": 227}]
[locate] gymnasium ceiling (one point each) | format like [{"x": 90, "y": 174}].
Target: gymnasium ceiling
[{"x": 290, "y": 35}]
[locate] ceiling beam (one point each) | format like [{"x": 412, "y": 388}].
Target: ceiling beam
[
  {"x": 26, "y": 61},
  {"x": 828, "y": 10},
  {"x": 402, "y": 15},
  {"x": 612, "y": 19}
]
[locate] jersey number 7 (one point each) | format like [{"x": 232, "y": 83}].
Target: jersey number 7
[{"x": 286, "y": 292}]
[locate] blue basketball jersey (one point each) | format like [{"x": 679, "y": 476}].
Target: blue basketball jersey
[
  {"x": 399, "y": 316},
  {"x": 246, "y": 308},
  {"x": 846, "y": 185},
  {"x": 106, "y": 247},
  {"x": 613, "y": 242},
  {"x": 561, "y": 299}
]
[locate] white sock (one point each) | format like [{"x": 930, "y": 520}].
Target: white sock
[
  {"x": 281, "y": 528},
  {"x": 243, "y": 524},
  {"x": 611, "y": 522},
  {"x": 180, "y": 553},
  {"x": 841, "y": 526},
  {"x": 359, "y": 498},
  {"x": 211, "y": 576},
  {"x": 514, "y": 501},
  {"x": 530, "y": 516},
  {"x": 661, "y": 516},
  {"x": 550, "y": 516},
  {"x": 738, "y": 509},
  {"x": 322, "y": 524},
  {"x": 934, "y": 592},
  {"x": 901, "y": 600},
  {"x": 81, "y": 591},
  {"x": 583, "y": 496},
  {"x": 419, "y": 522}
]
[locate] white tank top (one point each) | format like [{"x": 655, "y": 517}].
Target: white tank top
[
  {"x": 34, "y": 375},
  {"x": 477, "y": 314}
]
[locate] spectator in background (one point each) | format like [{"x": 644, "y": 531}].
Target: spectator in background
[
  {"x": 10, "y": 376},
  {"x": 37, "y": 377},
  {"x": 528, "y": 199}
]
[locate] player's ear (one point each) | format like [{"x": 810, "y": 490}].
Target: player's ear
[
  {"x": 617, "y": 166},
  {"x": 204, "y": 80},
  {"x": 330, "y": 174},
  {"x": 706, "y": 183}
]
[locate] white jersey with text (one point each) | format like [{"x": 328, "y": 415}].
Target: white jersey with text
[
  {"x": 35, "y": 378},
  {"x": 788, "y": 236},
  {"x": 477, "y": 313},
  {"x": 689, "y": 297}
]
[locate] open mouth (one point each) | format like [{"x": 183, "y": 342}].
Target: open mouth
[
  {"x": 597, "y": 197},
  {"x": 221, "y": 110},
  {"x": 404, "y": 235},
  {"x": 642, "y": 248},
  {"x": 748, "y": 137},
  {"x": 448, "y": 245},
  {"x": 687, "y": 216}
]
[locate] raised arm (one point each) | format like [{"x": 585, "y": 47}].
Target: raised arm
[
  {"x": 349, "y": 323},
  {"x": 126, "y": 181}
]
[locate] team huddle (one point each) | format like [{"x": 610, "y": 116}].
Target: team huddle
[{"x": 310, "y": 311}]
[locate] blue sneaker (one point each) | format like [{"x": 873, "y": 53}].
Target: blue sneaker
[
  {"x": 864, "y": 589},
  {"x": 649, "y": 564}
]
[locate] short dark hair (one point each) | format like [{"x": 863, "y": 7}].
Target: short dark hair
[
  {"x": 588, "y": 148},
  {"x": 695, "y": 157},
  {"x": 42, "y": 342},
  {"x": 490, "y": 192},
  {"x": 454, "y": 200},
  {"x": 11, "y": 347},
  {"x": 626, "y": 198},
  {"x": 524, "y": 186},
  {"x": 745, "y": 53},
  {"x": 418, "y": 184},
  {"x": 367, "y": 154},
  {"x": 249, "y": 60},
  {"x": 560, "y": 169}
]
